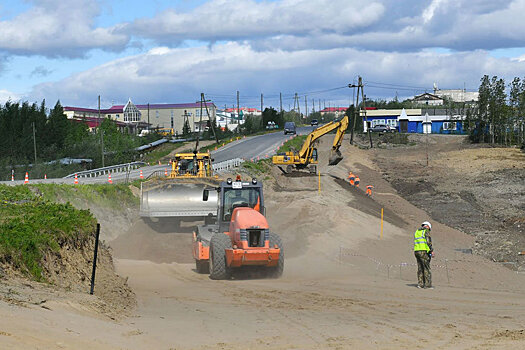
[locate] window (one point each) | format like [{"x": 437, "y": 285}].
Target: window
[
  {"x": 131, "y": 113},
  {"x": 246, "y": 197},
  {"x": 449, "y": 126},
  {"x": 391, "y": 122}
]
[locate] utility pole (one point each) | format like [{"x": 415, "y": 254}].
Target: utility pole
[
  {"x": 101, "y": 133},
  {"x": 226, "y": 117},
  {"x": 212, "y": 125},
  {"x": 298, "y": 105},
  {"x": 148, "y": 116},
  {"x": 238, "y": 106},
  {"x": 363, "y": 98},
  {"x": 313, "y": 105},
  {"x": 294, "y": 101},
  {"x": 262, "y": 121},
  {"x": 306, "y": 106},
  {"x": 34, "y": 141},
  {"x": 281, "y": 102}
]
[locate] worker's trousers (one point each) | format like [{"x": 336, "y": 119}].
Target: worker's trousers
[{"x": 424, "y": 275}]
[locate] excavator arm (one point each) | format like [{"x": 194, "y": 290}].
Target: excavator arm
[{"x": 335, "y": 155}]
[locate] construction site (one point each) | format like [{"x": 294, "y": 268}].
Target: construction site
[{"x": 340, "y": 275}]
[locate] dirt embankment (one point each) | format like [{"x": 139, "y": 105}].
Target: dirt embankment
[
  {"x": 66, "y": 270},
  {"x": 477, "y": 189}
]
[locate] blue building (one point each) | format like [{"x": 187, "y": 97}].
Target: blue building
[{"x": 435, "y": 121}]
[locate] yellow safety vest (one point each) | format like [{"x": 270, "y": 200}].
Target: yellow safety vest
[{"x": 420, "y": 241}]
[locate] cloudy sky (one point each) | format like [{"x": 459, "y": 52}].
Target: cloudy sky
[{"x": 162, "y": 51}]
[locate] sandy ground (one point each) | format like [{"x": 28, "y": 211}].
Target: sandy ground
[
  {"x": 345, "y": 285},
  {"x": 477, "y": 189}
]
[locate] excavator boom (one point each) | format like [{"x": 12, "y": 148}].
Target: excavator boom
[{"x": 307, "y": 155}]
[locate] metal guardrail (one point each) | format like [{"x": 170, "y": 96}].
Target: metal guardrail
[
  {"x": 106, "y": 170},
  {"x": 227, "y": 165}
]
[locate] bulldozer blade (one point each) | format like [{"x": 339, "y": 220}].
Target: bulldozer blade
[
  {"x": 177, "y": 198},
  {"x": 335, "y": 157}
]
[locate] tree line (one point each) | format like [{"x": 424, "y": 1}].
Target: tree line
[
  {"x": 498, "y": 118},
  {"x": 24, "y": 125}
]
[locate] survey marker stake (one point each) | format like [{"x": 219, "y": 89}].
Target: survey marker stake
[{"x": 95, "y": 254}]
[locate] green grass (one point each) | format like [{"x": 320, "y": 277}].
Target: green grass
[
  {"x": 260, "y": 167},
  {"x": 32, "y": 227},
  {"x": 101, "y": 195},
  {"x": 162, "y": 151},
  {"x": 294, "y": 144}
]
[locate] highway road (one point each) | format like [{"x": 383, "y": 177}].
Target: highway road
[{"x": 248, "y": 148}]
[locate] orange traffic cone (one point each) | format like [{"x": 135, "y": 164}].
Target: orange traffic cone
[
  {"x": 159, "y": 163},
  {"x": 45, "y": 176},
  {"x": 109, "y": 179},
  {"x": 76, "y": 179},
  {"x": 141, "y": 176},
  {"x": 166, "y": 172},
  {"x": 26, "y": 180},
  {"x": 12, "y": 177}
]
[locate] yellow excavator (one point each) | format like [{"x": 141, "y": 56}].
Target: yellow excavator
[{"x": 306, "y": 157}]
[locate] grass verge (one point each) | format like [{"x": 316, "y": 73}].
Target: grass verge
[
  {"x": 294, "y": 144},
  {"x": 37, "y": 220},
  {"x": 32, "y": 227}
]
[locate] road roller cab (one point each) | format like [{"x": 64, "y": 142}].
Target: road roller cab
[{"x": 241, "y": 236}]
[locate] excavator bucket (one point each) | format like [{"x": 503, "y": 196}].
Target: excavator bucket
[
  {"x": 177, "y": 198},
  {"x": 335, "y": 157}
]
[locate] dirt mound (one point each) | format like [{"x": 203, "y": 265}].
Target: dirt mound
[{"x": 475, "y": 188}]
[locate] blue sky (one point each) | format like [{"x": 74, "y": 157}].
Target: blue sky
[{"x": 171, "y": 51}]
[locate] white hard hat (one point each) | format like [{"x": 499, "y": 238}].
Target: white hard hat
[{"x": 427, "y": 223}]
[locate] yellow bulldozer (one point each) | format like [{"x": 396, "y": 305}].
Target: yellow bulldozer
[
  {"x": 178, "y": 193},
  {"x": 306, "y": 157}
]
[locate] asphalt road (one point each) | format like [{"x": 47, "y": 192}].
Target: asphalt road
[{"x": 248, "y": 148}]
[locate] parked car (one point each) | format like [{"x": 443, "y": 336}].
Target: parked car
[
  {"x": 271, "y": 125},
  {"x": 382, "y": 128},
  {"x": 314, "y": 122},
  {"x": 289, "y": 128}
]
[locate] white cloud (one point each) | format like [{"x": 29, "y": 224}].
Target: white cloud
[
  {"x": 8, "y": 96},
  {"x": 55, "y": 28},
  {"x": 377, "y": 25},
  {"x": 179, "y": 75},
  {"x": 247, "y": 19}
]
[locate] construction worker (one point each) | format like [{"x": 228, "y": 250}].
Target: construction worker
[
  {"x": 369, "y": 190},
  {"x": 356, "y": 181},
  {"x": 351, "y": 178},
  {"x": 423, "y": 252}
]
